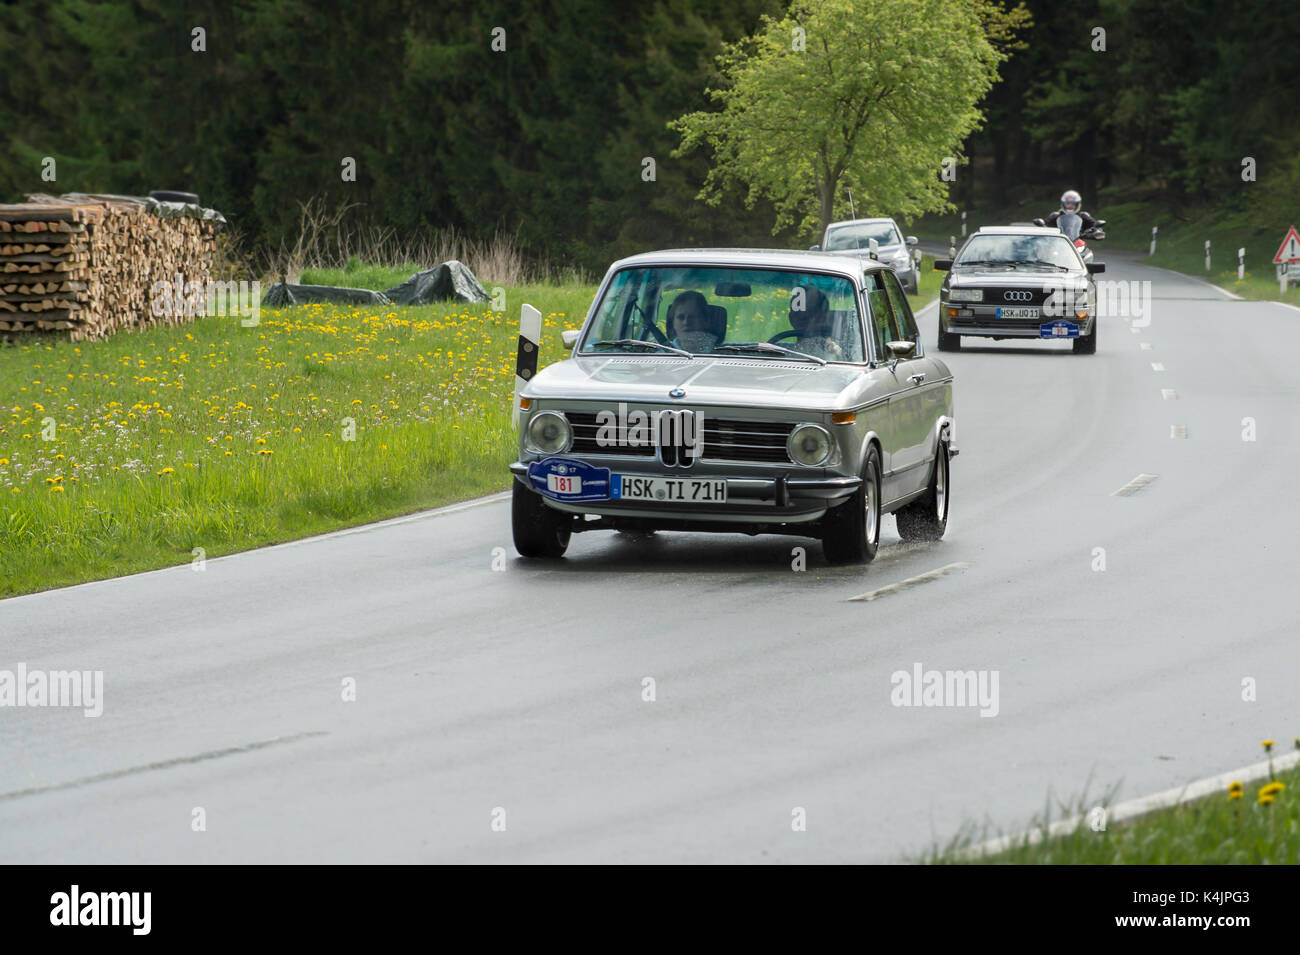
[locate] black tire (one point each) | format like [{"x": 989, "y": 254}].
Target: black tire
[
  {"x": 169, "y": 195},
  {"x": 947, "y": 340},
  {"x": 926, "y": 518},
  {"x": 851, "y": 531},
  {"x": 1087, "y": 344},
  {"x": 539, "y": 531}
]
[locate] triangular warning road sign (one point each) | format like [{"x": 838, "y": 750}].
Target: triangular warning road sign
[{"x": 1290, "y": 249}]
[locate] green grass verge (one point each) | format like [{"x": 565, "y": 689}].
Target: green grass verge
[
  {"x": 927, "y": 286},
  {"x": 1180, "y": 243},
  {"x": 128, "y": 454},
  {"x": 1215, "y": 830}
]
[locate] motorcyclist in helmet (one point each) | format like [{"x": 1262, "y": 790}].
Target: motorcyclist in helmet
[{"x": 1071, "y": 201}]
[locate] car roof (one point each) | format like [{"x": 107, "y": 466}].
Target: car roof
[
  {"x": 862, "y": 221},
  {"x": 793, "y": 260},
  {"x": 1017, "y": 230}
]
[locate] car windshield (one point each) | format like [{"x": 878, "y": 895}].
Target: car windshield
[
  {"x": 858, "y": 235},
  {"x": 736, "y": 313},
  {"x": 1035, "y": 252}
]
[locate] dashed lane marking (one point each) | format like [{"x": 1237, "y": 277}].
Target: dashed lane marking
[
  {"x": 911, "y": 582},
  {"x": 1135, "y": 485}
]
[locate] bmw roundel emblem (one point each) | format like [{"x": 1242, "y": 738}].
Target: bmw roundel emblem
[{"x": 677, "y": 393}]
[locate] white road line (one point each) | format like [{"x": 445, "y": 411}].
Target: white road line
[
  {"x": 1295, "y": 308},
  {"x": 1133, "y": 808},
  {"x": 1135, "y": 485},
  {"x": 1178, "y": 431},
  {"x": 1194, "y": 278},
  {"x": 933, "y": 303},
  {"x": 1168, "y": 394},
  {"x": 1157, "y": 366},
  {"x": 912, "y": 581}
]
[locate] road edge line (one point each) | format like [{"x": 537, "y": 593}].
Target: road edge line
[{"x": 1141, "y": 806}]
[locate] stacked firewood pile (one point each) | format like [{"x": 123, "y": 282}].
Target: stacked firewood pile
[{"x": 88, "y": 265}]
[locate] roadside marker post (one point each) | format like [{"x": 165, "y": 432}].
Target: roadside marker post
[
  {"x": 1241, "y": 264},
  {"x": 530, "y": 337},
  {"x": 1207, "y": 255},
  {"x": 1154, "y": 230},
  {"x": 952, "y": 247},
  {"x": 963, "y": 225}
]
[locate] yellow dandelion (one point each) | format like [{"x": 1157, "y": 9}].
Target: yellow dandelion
[
  {"x": 1267, "y": 744},
  {"x": 1265, "y": 799},
  {"x": 1273, "y": 788},
  {"x": 166, "y": 471}
]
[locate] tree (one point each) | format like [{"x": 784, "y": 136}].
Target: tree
[{"x": 873, "y": 95}]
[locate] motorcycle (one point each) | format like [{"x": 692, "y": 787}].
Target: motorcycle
[{"x": 1071, "y": 225}]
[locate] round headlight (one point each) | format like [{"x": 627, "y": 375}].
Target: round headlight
[
  {"x": 809, "y": 445},
  {"x": 549, "y": 433}
]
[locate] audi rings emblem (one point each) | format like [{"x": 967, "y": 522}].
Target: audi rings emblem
[{"x": 1017, "y": 296}]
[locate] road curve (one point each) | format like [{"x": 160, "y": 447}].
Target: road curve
[{"x": 521, "y": 689}]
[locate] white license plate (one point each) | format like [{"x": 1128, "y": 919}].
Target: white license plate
[
  {"x": 1018, "y": 313},
  {"x": 631, "y": 487},
  {"x": 563, "y": 485}
]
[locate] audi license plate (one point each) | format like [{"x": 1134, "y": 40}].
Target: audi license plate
[
  {"x": 631, "y": 487},
  {"x": 1018, "y": 312}
]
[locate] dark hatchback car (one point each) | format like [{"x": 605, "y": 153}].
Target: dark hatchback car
[{"x": 1018, "y": 282}]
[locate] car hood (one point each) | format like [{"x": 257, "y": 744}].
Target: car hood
[
  {"x": 1017, "y": 278},
  {"x": 715, "y": 381},
  {"x": 884, "y": 251}
]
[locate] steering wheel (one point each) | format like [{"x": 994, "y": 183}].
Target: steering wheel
[
  {"x": 648, "y": 325},
  {"x": 788, "y": 333}
]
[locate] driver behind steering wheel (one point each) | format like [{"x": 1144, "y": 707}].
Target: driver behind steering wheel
[
  {"x": 690, "y": 325},
  {"x": 810, "y": 316}
]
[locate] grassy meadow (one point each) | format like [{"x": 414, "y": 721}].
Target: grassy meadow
[{"x": 127, "y": 454}]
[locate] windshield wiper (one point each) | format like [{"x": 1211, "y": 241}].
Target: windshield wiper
[
  {"x": 620, "y": 342},
  {"x": 1005, "y": 265},
  {"x": 1062, "y": 268},
  {"x": 769, "y": 348}
]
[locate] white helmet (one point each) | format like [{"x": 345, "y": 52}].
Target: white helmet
[{"x": 1071, "y": 201}]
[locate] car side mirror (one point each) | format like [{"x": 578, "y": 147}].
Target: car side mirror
[
  {"x": 942, "y": 265},
  {"x": 814, "y": 248},
  {"x": 1095, "y": 267},
  {"x": 911, "y": 240},
  {"x": 901, "y": 349},
  {"x": 1039, "y": 222},
  {"x": 570, "y": 337}
]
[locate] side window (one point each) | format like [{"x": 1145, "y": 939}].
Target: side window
[
  {"x": 882, "y": 315},
  {"x": 906, "y": 325}
]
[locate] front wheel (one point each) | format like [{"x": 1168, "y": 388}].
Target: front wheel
[
  {"x": 926, "y": 518},
  {"x": 851, "y": 531},
  {"x": 947, "y": 340},
  {"x": 1087, "y": 344},
  {"x": 539, "y": 531}
]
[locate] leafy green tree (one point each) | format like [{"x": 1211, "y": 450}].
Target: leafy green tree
[{"x": 874, "y": 95}]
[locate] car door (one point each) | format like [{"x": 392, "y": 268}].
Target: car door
[
  {"x": 918, "y": 402},
  {"x": 883, "y": 328}
]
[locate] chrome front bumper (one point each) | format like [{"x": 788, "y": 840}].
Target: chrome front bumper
[{"x": 781, "y": 499}]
